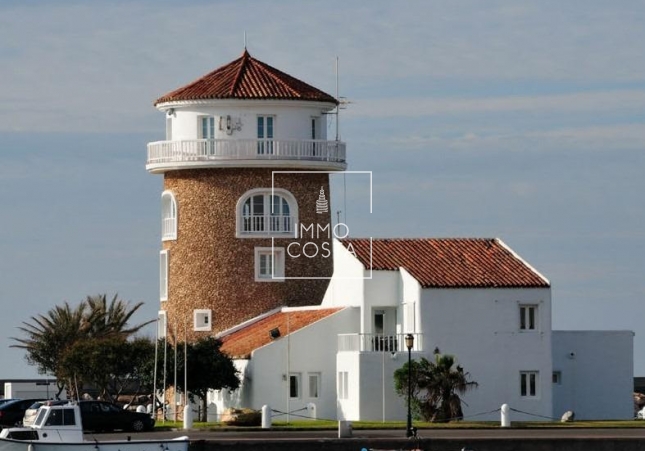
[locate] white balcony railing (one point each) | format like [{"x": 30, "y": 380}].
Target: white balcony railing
[
  {"x": 196, "y": 150},
  {"x": 268, "y": 223},
  {"x": 376, "y": 343}
]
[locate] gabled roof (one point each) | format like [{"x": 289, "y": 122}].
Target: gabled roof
[
  {"x": 450, "y": 262},
  {"x": 247, "y": 78},
  {"x": 240, "y": 343}
]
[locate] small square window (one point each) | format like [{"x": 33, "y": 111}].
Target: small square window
[
  {"x": 529, "y": 384},
  {"x": 557, "y": 378},
  {"x": 202, "y": 320},
  {"x": 294, "y": 385},
  {"x": 314, "y": 385},
  {"x": 528, "y": 317},
  {"x": 269, "y": 264}
]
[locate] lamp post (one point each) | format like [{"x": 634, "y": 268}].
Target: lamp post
[{"x": 409, "y": 343}]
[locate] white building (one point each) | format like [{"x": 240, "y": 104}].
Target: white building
[{"x": 473, "y": 298}]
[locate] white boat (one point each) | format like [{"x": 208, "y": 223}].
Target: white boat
[{"x": 59, "y": 428}]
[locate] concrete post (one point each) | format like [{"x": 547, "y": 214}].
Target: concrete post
[
  {"x": 344, "y": 429},
  {"x": 311, "y": 408},
  {"x": 506, "y": 417},
  {"x": 266, "y": 417},
  {"x": 188, "y": 417}
]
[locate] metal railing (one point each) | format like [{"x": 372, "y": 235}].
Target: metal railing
[
  {"x": 190, "y": 150},
  {"x": 376, "y": 343}
]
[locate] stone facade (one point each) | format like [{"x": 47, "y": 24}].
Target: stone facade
[{"x": 211, "y": 268}]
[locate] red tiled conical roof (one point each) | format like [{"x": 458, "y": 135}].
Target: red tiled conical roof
[
  {"x": 247, "y": 78},
  {"x": 449, "y": 262}
]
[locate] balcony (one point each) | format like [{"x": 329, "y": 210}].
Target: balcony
[
  {"x": 208, "y": 153},
  {"x": 376, "y": 343}
]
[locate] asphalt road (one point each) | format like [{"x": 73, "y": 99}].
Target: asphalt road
[{"x": 469, "y": 434}]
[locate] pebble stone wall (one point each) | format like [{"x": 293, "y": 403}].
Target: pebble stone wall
[{"x": 210, "y": 268}]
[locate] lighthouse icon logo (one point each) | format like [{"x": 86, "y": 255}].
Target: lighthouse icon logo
[{"x": 322, "y": 205}]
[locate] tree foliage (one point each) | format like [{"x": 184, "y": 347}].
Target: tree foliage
[
  {"x": 67, "y": 340},
  {"x": 208, "y": 369},
  {"x": 435, "y": 387}
]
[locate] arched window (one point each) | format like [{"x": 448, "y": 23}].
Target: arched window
[
  {"x": 263, "y": 212},
  {"x": 168, "y": 216}
]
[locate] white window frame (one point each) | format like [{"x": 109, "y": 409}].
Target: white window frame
[
  {"x": 526, "y": 390},
  {"x": 162, "y": 324},
  {"x": 277, "y": 256},
  {"x": 202, "y": 320},
  {"x": 168, "y": 216},
  {"x": 163, "y": 274},
  {"x": 525, "y": 317},
  {"x": 343, "y": 385},
  {"x": 313, "y": 385},
  {"x": 297, "y": 377},
  {"x": 267, "y": 216},
  {"x": 265, "y": 141}
]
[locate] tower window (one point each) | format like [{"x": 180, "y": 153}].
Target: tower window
[
  {"x": 261, "y": 212},
  {"x": 161, "y": 324},
  {"x": 202, "y": 320},
  {"x": 528, "y": 317},
  {"x": 163, "y": 275},
  {"x": 168, "y": 216},
  {"x": 269, "y": 264},
  {"x": 265, "y": 135}
]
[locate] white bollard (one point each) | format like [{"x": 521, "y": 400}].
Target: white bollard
[
  {"x": 188, "y": 417},
  {"x": 344, "y": 429},
  {"x": 266, "y": 417},
  {"x": 506, "y": 417},
  {"x": 311, "y": 408}
]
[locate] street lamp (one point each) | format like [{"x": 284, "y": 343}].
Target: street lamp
[{"x": 409, "y": 343}]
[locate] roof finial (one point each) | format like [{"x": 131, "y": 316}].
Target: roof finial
[{"x": 244, "y": 39}]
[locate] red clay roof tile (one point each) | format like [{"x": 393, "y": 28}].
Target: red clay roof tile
[
  {"x": 450, "y": 262},
  {"x": 240, "y": 343},
  {"x": 247, "y": 78}
]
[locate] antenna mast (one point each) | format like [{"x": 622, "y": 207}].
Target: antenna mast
[{"x": 337, "y": 100}]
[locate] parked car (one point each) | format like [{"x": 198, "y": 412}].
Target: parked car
[
  {"x": 30, "y": 413},
  {"x": 12, "y": 412},
  {"x": 105, "y": 416}
]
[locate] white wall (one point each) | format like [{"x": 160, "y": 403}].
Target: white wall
[
  {"x": 481, "y": 328},
  {"x": 292, "y": 118},
  {"x": 597, "y": 374},
  {"x": 347, "y": 286},
  {"x": 308, "y": 350}
]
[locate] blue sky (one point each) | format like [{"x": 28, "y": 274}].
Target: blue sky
[{"x": 519, "y": 120}]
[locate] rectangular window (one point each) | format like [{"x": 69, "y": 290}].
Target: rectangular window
[
  {"x": 529, "y": 384},
  {"x": 314, "y": 385},
  {"x": 343, "y": 385},
  {"x": 168, "y": 129},
  {"x": 528, "y": 317},
  {"x": 163, "y": 275},
  {"x": 161, "y": 324},
  {"x": 207, "y": 132},
  {"x": 269, "y": 264},
  {"x": 265, "y": 135},
  {"x": 202, "y": 320},
  {"x": 557, "y": 378},
  {"x": 294, "y": 385}
]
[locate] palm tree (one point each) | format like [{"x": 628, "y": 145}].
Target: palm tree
[
  {"x": 111, "y": 320},
  {"x": 436, "y": 387},
  {"x": 443, "y": 386},
  {"x": 50, "y": 336}
]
